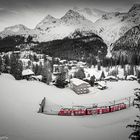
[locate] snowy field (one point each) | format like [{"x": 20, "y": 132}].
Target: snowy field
[{"x": 19, "y": 120}]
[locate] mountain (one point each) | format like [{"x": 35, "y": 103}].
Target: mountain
[
  {"x": 78, "y": 46},
  {"x": 90, "y": 14},
  {"x": 109, "y": 26},
  {"x": 17, "y": 30},
  {"x": 51, "y": 28},
  {"x": 129, "y": 42},
  {"x": 47, "y": 23},
  {"x": 112, "y": 26}
]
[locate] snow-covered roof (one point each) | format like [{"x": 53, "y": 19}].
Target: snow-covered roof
[
  {"x": 62, "y": 61},
  {"x": 38, "y": 77},
  {"x": 110, "y": 77},
  {"x": 77, "y": 81},
  {"x": 27, "y": 72},
  {"x": 55, "y": 65},
  {"x": 102, "y": 83},
  {"x": 131, "y": 77}
]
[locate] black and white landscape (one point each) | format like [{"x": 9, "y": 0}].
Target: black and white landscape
[{"x": 68, "y": 69}]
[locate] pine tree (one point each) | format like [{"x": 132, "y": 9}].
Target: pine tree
[
  {"x": 7, "y": 64},
  {"x": 80, "y": 74},
  {"x": 135, "y": 135},
  {"x": 0, "y": 63},
  {"x": 60, "y": 81},
  {"x": 39, "y": 69},
  {"x": 92, "y": 80},
  {"x": 35, "y": 69},
  {"x": 16, "y": 67},
  {"x": 102, "y": 75},
  {"x": 46, "y": 72}
]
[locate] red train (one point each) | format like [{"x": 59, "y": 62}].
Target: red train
[{"x": 80, "y": 111}]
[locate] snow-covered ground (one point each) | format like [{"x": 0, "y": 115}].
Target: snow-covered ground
[{"x": 19, "y": 120}]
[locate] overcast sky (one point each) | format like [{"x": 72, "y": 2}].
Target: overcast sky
[{"x": 30, "y": 12}]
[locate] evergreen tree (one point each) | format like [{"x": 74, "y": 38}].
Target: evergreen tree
[
  {"x": 102, "y": 75},
  {"x": 3, "y": 65},
  {"x": 35, "y": 58},
  {"x": 92, "y": 80},
  {"x": 46, "y": 72},
  {"x": 39, "y": 69},
  {"x": 6, "y": 59},
  {"x": 0, "y": 63},
  {"x": 29, "y": 65},
  {"x": 35, "y": 69},
  {"x": 7, "y": 63},
  {"x": 80, "y": 74},
  {"x": 135, "y": 135},
  {"x": 16, "y": 67},
  {"x": 61, "y": 80},
  {"x": 138, "y": 76}
]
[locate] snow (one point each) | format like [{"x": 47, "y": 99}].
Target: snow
[
  {"x": 39, "y": 77},
  {"x": 129, "y": 77},
  {"x": 90, "y": 14},
  {"x": 77, "y": 82},
  {"x": 111, "y": 77},
  {"x": 27, "y": 72},
  {"x": 19, "y": 119},
  {"x": 51, "y": 29},
  {"x": 6, "y": 76},
  {"x": 94, "y": 71},
  {"x": 17, "y": 30}
]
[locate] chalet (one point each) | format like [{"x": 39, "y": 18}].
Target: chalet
[
  {"x": 79, "y": 86},
  {"x": 26, "y": 74}
]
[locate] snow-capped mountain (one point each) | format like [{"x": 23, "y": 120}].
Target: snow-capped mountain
[
  {"x": 110, "y": 26},
  {"x": 91, "y": 14},
  {"x": 113, "y": 25},
  {"x": 129, "y": 42},
  {"x": 47, "y": 23},
  {"x": 51, "y": 28},
  {"x": 17, "y": 30}
]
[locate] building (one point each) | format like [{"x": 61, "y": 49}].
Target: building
[
  {"x": 26, "y": 74},
  {"x": 79, "y": 86}
]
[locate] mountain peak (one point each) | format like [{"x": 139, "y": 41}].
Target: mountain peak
[
  {"x": 72, "y": 14},
  {"x": 49, "y": 17},
  {"x": 16, "y": 28},
  {"x": 135, "y": 7},
  {"x": 46, "y": 22}
]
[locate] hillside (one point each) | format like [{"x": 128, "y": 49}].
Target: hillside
[
  {"x": 91, "y": 14},
  {"x": 51, "y": 28},
  {"x": 19, "y": 119},
  {"x": 113, "y": 25},
  {"x": 129, "y": 43},
  {"x": 18, "y": 30},
  {"x": 109, "y": 26},
  {"x": 79, "y": 45}
]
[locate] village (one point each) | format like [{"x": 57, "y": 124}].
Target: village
[
  {"x": 72, "y": 75},
  {"x": 63, "y": 73}
]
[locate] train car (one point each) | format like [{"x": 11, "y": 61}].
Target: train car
[
  {"x": 65, "y": 112},
  {"x": 74, "y": 111}
]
